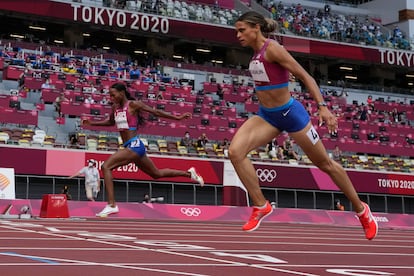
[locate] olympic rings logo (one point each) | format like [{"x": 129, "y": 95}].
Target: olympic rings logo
[
  {"x": 191, "y": 212},
  {"x": 266, "y": 175}
]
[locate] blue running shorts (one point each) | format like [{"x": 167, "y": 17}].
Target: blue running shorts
[
  {"x": 136, "y": 145},
  {"x": 290, "y": 117}
]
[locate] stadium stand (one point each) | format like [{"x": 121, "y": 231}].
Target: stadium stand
[{"x": 217, "y": 119}]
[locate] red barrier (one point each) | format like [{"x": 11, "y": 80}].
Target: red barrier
[{"x": 54, "y": 206}]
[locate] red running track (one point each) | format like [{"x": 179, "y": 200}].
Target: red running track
[{"x": 131, "y": 247}]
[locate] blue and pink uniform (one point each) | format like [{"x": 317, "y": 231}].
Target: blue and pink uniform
[
  {"x": 290, "y": 117},
  {"x": 124, "y": 120}
]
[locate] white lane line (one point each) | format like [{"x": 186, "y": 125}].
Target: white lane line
[
  {"x": 359, "y": 245},
  {"x": 35, "y": 239},
  {"x": 392, "y": 244},
  {"x": 348, "y": 266},
  {"x": 50, "y": 259},
  {"x": 293, "y": 234},
  {"x": 161, "y": 251},
  {"x": 95, "y": 263},
  {"x": 217, "y": 265},
  {"x": 212, "y": 250}
]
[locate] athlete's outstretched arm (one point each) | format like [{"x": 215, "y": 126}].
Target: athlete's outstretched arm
[{"x": 140, "y": 106}]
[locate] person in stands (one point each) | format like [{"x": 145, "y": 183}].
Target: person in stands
[
  {"x": 127, "y": 115},
  {"x": 279, "y": 112}
]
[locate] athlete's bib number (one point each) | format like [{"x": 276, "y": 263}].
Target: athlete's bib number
[{"x": 258, "y": 71}]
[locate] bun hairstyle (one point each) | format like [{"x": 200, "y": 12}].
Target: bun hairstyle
[
  {"x": 271, "y": 26},
  {"x": 267, "y": 25}
]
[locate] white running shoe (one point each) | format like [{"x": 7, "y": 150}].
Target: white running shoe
[
  {"x": 107, "y": 211},
  {"x": 195, "y": 176}
]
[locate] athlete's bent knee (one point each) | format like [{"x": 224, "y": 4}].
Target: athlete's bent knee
[
  {"x": 105, "y": 166},
  {"x": 155, "y": 175},
  {"x": 327, "y": 166},
  {"x": 235, "y": 155}
]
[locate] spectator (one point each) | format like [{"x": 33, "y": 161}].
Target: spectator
[
  {"x": 146, "y": 199},
  {"x": 104, "y": 101},
  {"x": 364, "y": 116},
  {"x": 93, "y": 89},
  {"x": 73, "y": 141},
  {"x": 58, "y": 103},
  {"x": 370, "y": 101},
  {"x": 339, "y": 206},
  {"x": 186, "y": 141},
  {"x": 309, "y": 108},
  {"x": 160, "y": 95},
  {"x": 22, "y": 78},
  {"x": 202, "y": 141},
  {"x": 47, "y": 84},
  {"x": 225, "y": 146},
  {"x": 395, "y": 115},
  {"x": 65, "y": 191},
  {"x": 288, "y": 150},
  {"x": 272, "y": 148},
  {"x": 175, "y": 83},
  {"x": 279, "y": 153},
  {"x": 92, "y": 179},
  {"x": 134, "y": 73},
  {"x": 89, "y": 100},
  {"x": 387, "y": 119},
  {"x": 337, "y": 153}
]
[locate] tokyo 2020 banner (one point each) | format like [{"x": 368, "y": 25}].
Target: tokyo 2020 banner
[
  {"x": 61, "y": 162},
  {"x": 126, "y": 20},
  {"x": 314, "y": 179}
]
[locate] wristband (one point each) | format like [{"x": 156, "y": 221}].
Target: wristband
[{"x": 322, "y": 104}]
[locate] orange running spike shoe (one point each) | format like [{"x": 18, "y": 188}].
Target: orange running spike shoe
[
  {"x": 368, "y": 222},
  {"x": 257, "y": 216}
]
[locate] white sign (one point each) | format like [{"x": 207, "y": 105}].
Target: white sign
[{"x": 7, "y": 185}]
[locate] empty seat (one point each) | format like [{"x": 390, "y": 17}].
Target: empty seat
[
  {"x": 48, "y": 144},
  {"x": 91, "y": 144},
  {"x": 145, "y": 142},
  {"x": 4, "y": 137},
  {"x": 40, "y": 132},
  {"x": 153, "y": 147},
  {"x": 182, "y": 150},
  {"x": 38, "y": 139},
  {"x": 162, "y": 143},
  {"x": 24, "y": 142}
]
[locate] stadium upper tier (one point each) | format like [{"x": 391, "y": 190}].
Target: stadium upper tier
[
  {"x": 293, "y": 18},
  {"x": 326, "y": 24},
  {"x": 388, "y": 130}
]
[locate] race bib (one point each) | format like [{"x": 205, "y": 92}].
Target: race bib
[{"x": 258, "y": 71}]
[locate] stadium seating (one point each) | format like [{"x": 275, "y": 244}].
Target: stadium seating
[
  {"x": 4, "y": 137},
  {"x": 213, "y": 115},
  {"x": 359, "y": 28}
]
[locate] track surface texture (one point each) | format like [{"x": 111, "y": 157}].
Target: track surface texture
[{"x": 143, "y": 247}]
